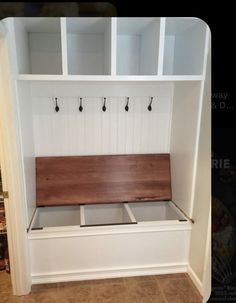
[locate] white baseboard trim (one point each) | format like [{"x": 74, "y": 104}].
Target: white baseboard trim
[
  {"x": 104, "y": 273},
  {"x": 195, "y": 279}
]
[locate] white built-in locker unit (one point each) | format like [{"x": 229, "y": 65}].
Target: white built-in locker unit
[{"x": 92, "y": 62}]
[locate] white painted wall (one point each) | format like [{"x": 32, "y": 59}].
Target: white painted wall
[
  {"x": 93, "y": 131},
  {"x": 183, "y": 142}
]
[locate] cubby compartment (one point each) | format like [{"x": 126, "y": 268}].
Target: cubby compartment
[
  {"x": 184, "y": 46},
  {"x": 137, "y": 46},
  {"x": 38, "y": 42},
  {"x": 56, "y": 216},
  {"x": 155, "y": 211},
  {"x": 89, "y": 46},
  {"x": 106, "y": 214}
]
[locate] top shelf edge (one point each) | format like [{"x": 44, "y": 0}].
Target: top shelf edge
[{"x": 108, "y": 78}]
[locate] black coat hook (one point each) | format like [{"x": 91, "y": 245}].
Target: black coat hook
[
  {"x": 150, "y": 105},
  {"x": 80, "y": 105},
  {"x": 56, "y": 107},
  {"x": 127, "y": 105},
  {"x": 104, "y": 105}
]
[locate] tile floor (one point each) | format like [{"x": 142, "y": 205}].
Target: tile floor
[{"x": 176, "y": 288}]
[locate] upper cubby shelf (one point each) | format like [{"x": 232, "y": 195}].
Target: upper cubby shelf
[
  {"x": 38, "y": 45},
  {"x": 184, "y": 46},
  {"x": 137, "y": 46},
  {"x": 110, "y": 49},
  {"x": 89, "y": 46}
]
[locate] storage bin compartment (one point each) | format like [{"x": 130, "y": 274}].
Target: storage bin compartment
[
  {"x": 38, "y": 42},
  {"x": 89, "y": 46},
  {"x": 156, "y": 211},
  {"x": 137, "y": 46},
  {"x": 184, "y": 46},
  {"x": 56, "y": 216},
  {"x": 102, "y": 249},
  {"x": 106, "y": 214}
]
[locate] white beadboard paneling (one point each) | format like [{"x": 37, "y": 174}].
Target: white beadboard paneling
[
  {"x": 113, "y": 105},
  {"x": 92, "y": 131},
  {"x": 121, "y": 134}
]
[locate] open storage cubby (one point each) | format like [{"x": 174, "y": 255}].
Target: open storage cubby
[
  {"x": 38, "y": 43},
  {"x": 56, "y": 216},
  {"x": 113, "y": 240},
  {"x": 137, "y": 46},
  {"x": 89, "y": 46},
  {"x": 99, "y": 215},
  {"x": 106, "y": 214},
  {"x": 184, "y": 46},
  {"x": 156, "y": 211}
]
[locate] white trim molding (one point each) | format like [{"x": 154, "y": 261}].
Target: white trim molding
[
  {"x": 11, "y": 156},
  {"x": 196, "y": 281},
  {"x": 105, "y": 273}
]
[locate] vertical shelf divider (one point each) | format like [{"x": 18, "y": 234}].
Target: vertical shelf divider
[
  {"x": 64, "y": 46},
  {"x": 113, "y": 44},
  {"x": 161, "y": 46}
]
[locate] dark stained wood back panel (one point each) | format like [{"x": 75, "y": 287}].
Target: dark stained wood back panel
[{"x": 102, "y": 179}]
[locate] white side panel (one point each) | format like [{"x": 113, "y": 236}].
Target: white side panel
[
  {"x": 202, "y": 194},
  {"x": 92, "y": 131},
  {"x": 183, "y": 143},
  {"x": 64, "y": 47},
  {"x": 150, "y": 49},
  {"x": 22, "y": 44},
  {"x": 27, "y": 143},
  {"x": 96, "y": 253},
  {"x": 16, "y": 211},
  {"x": 107, "y": 49},
  {"x": 161, "y": 46},
  {"x": 113, "y": 45}
]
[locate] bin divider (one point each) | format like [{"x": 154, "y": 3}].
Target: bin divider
[
  {"x": 82, "y": 215},
  {"x": 130, "y": 213}
]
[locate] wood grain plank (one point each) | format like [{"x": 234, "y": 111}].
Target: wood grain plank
[{"x": 102, "y": 179}]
